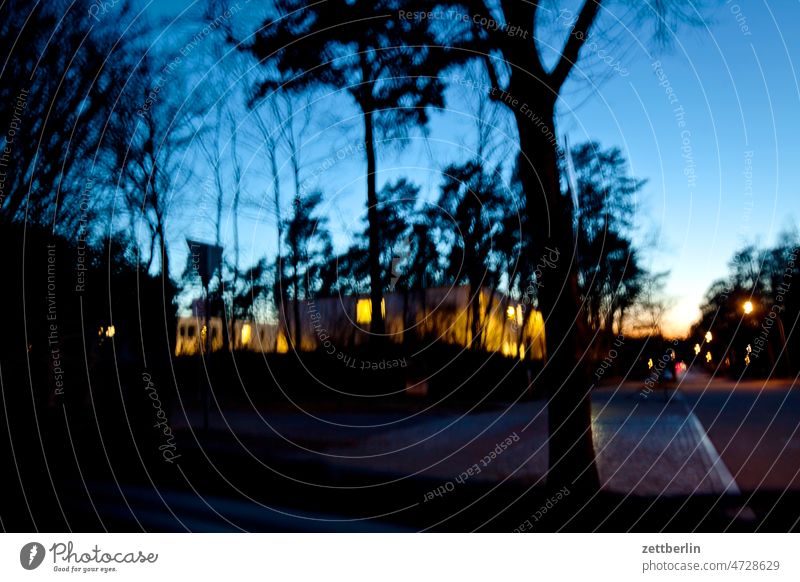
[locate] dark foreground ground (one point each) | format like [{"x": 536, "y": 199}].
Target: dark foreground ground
[
  {"x": 239, "y": 493},
  {"x": 99, "y": 473}
]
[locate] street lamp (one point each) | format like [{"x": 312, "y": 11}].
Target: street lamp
[
  {"x": 709, "y": 337},
  {"x": 748, "y": 308}
]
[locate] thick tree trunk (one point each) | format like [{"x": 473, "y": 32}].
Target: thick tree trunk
[
  {"x": 571, "y": 450},
  {"x": 278, "y": 293},
  {"x": 219, "y": 301},
  {"x": 375, "y": 286},
  {"x": 235, "y": 282},
  {"x": 475, "y": 291},
  {"x": 298, "y": 335},
  {"x": 169, "y": 293}
]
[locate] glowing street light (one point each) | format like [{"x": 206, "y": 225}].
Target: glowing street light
[
  {"x": 709, "y": 337},
  {"x": 708, "y": 357},
  {"x": 748, "y": 307},
  {"x": 697, "y": 349}
]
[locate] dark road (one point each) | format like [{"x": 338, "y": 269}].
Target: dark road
[{"x": 755, "y": 427}]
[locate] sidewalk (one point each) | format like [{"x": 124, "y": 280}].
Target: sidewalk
[
  {"x": 645, "y": 446},
  {"x": 654, "y": 446}
]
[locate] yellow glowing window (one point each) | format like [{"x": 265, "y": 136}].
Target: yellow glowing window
[
  {"x": 509, "y": 348},
  {"x": 247, "y": 333},
  {"x": 364, "y": 310},
  {"x": 514, "y": 313},
  {"x": 283, "y": 346}
]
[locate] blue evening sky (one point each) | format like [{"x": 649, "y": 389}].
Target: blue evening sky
[{"x": 714, "y": 128}]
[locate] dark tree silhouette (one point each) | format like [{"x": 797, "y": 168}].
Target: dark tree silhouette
[
  {"x": 473, "y": 200},
  {"x": 610, "y": 276},
  {"x": 306, "y": 243},
  {"x": 348, "y": 273},
  {"x": 423, "y": 265},
  {"x": 59, "y": 82},
  {"x": 396, "y": 202},
  {"x": 255, "y": 287},
  {"x": 383, "y": 63},
  {"x": 763, "y": 277},
  {"x": 147, "y": 143},
  {"x": 280, "y": 124},
  {"x": 517, "y": 66}
]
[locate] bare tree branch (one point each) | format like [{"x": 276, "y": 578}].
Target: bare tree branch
[{"x": 577, "y": 38}]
